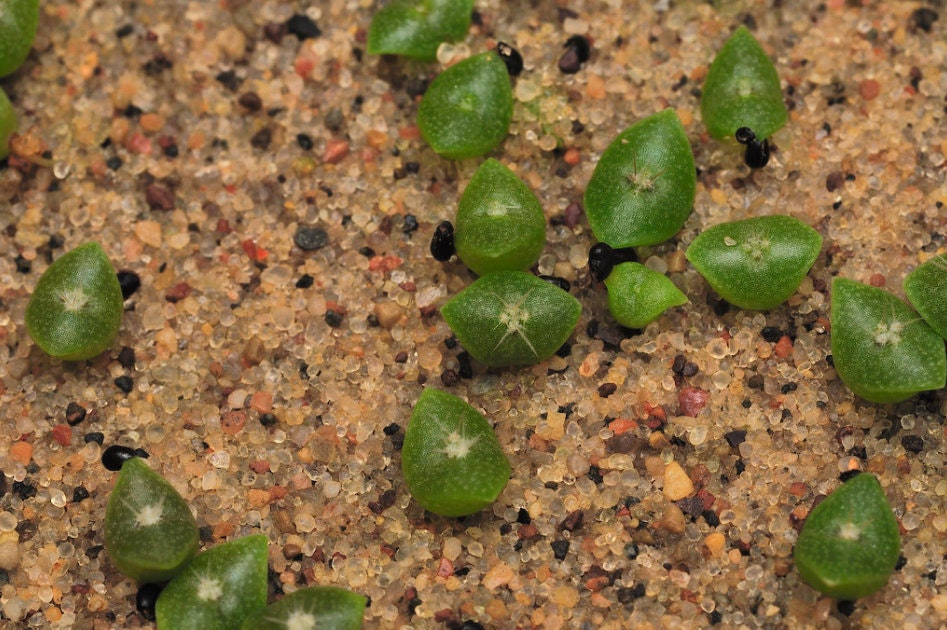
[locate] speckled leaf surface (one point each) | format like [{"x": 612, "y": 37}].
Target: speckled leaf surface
[
  {"x": 415, "y": 28},
  {"x": 76, "y": 308},
  {"x": 926, "y": 288},
  {"x": 18, "y": 22},
  {"x": 313, "y": 608},
  {"x": 150, "y": 533},
  {"x": 218, "y": 589},
  {"x": 742, "y": 90},
  {"x": 850, "y": 542},
  {"x": 500, "y": 224},
  {"x": 511, "y": 318},
  {"x": 882, "y": 350},
  {"x": 467, "y": 109},
  {"x": 451, "y": 459},
  {"x": 642, "y": 189},
  {"x": 7, "y": 123},
  {"x": 756, "y": 263},
  {"x": 637, "y": 295}
]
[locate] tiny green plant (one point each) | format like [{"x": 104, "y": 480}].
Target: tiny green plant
[
  {"x": 850, "y": 542},
  {"x": 637, "y": 295},
  {"x": 415, "y": 28},
  {"x": 218, "y": 589},
  {"x": 926, "y": 288},
  {"x": 467, "y": 109},
  {"x": 7, "y": 124},
  {"x": 511, "y": 318},
  {"x": 452, "y": 461},
  {"x": 313, "y": 608},
  {"x": 150, "y": 533},
  {"x": 882, "y": 350},
  {"x": 76, "y": 308},
  {"x": 18, "y": 22},
  {"x": 756, "y": 263},
  {"x": 500, "y": 224},
  {"x": 742, "y": 90},
  {"x": 642, "y": 189}
]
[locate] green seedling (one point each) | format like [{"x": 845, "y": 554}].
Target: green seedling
[
  {"x": 882, "y": 350},
  {"x": 850, "y": 542},
  {"x": 511, "y": 318},
  {"x": 150, "y": 533},
  {"x": 642, "y": 189},
  {"x": 313, "y": 608},
  {"x": 926, "y": 288},
  {"x": 467, "y": 109},
  {"x": 756, "y": 263},
  {"x": 415, "y": 28},
  {"x": 637, "y": 295},
  {"x": 18, "y": 22},
  {"x": 500, "y": 224},
  {"x": 7, "y": 124},
  {"x": 452, "y": 461}
]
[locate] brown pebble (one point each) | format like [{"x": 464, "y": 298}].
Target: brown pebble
[
  {"x": 834, "y": 181},
  {"x": 159, "y": 198},
  {"x": 388, "y": 313},
  {"x": 692, "y": 400},
  {"x": 292, "y": 551},
  {"x": 251, "y": 101},
  {"x": 572, "y": 522},
  {"x": 178, "y": 292},
  {"x": 335, "y": 152},
  {"x": 869, "y": 89}
]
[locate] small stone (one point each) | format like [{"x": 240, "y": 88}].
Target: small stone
[
  {"x": 125, "y": 383},
  {"x": 9, "y": 550},
  {"x": 923, "y": 19},
  {"x": 572, "y": 522},
  {"x": 75, "y": 413},
  {"x": 677, "y": 484},
  {"x": 715, "y": 542},
  {"x": 497, "y": 576},
  {"x": 159, "y": 198},
  {"x": 913, "y": 443},
  {"x": 560, "y": 548},
  {"x": 309, "y": 238},
  {"x": 129, "y": 283},
  {"x": 335, "y": 151},
  {"x": 388, "y": 313},
  {"x": 251, "y": 101},
  {"x": 303, "y": 27}
]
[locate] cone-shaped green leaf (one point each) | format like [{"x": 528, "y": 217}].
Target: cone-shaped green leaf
[
  {"x": 850, "y": 542},
  {"x": 756, "y": 263},
  {"x": 452, "y": 461},
  {"x": 637, "y": 295},
  {"x": 882, "y": 350},
  {"x": 642, "y": 189},
  {"x": 467, "y": 109},
  {"x": 150, "y": 533},
  {"x": 18, "y": 22},
  {"x": 500, "y": 224},
  {"x": 76, "y": 308},
  {"x": 218, "y": 589},
  {"x": 7, "y": 124},
  {"x": 926, "y": 288},
  {"x": 511, "y": 318},
  {"x": 415, "y": 28},
  {"x": 742, "y": 90},
  {"x": 313, "y": 608}
]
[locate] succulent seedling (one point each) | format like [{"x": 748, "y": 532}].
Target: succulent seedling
[{"x": 416, "y": 28}]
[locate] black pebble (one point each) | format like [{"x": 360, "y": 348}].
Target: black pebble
[
  {"x": 410, "y": 224},
  {"x": 79, "y": 493},
  {"x": 75, "y": 413},
  {"x": 94, "y": 436},
  {"x": 771, "y": 334},
  {"x": 125, "y": 383},
  {"x": 305, "y": 281},
  {"x": 470, "y": 625},
  {"x": 22, "y": 264},
  {"x": 309, "y": 238},
  {"x": 511, "y": 57},
  {"x": 146, "y": 598},
  {"x": 333, "y": 318},
  {"x": 114, "y": 456},
  {"x": 560, "y": 548},
  {"x": 631, "y": 551},
  {"x": 126, "y": 358},
  {"x": 913, "y": 443},
  {"x": 129, "y": 281},
  {"x": 303, "y": 27},
  {"x": 846, "y": 607},
  {"x": 267, "y": 419},
  {"x": 304, "y": 141},
  {"x": 923, "y": 19},
  {"x": 442, "y": 243},
  {"x": 562, "y": 283},
  {"x": 114, "y": 163}
]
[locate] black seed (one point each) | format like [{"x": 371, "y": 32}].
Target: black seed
[
  {"x": 114, "y": 163},
  {"x": 333, "y": 318},
  {"x": 606, "y": 389},
  {"x": 304, "y": 141},
  {"x": 125, "y": 383},
  {"x": 848, "y": 474},
  {"x": 744, "y": 135},
  {"x": 442, "y": 243},
  {"x": 308, "y": 238},
  {"x": 79, "y": 493},
  {"x": 75, "y": 413},
  {"x": 410, "y": 224},
  {"x": 560, "y": 548},
  {"x": 126, "y": 358},
  {"x": 562, "y": 283},
  {"x": 146, "y": 598},
  {"x": 94, "y": 436},
  {"x": 756, "y": 154},
  {"x": 305, "y": 281},
  {"x": 913, "y": 443},
  {"x": 129, "y": 282},
  {"x": 114, "y": 456},
  {"x": 511, "y": 57},
  {"x": 267, "y": 419},
  {"x": 923, "y": 19},
  {"x": 303, "y": 27},
  {"x": 577, "y": 52},
  {"x": 603, "y": 258}
]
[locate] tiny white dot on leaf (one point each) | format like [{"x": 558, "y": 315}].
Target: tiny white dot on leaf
[{"x": 209, "y": 589}]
